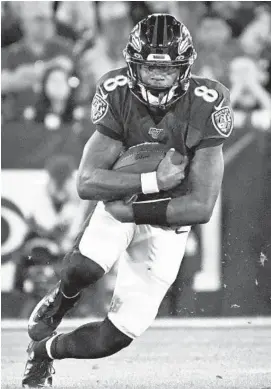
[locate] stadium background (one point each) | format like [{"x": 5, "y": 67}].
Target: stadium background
[{"x": 225, "y": 272}]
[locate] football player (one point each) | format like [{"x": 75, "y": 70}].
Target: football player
[{"x": 154, "y": 99}]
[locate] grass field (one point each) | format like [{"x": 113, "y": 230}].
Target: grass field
[{"x": 179, "y": 358}]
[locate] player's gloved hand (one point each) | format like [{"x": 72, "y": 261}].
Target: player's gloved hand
[{"x": 168, "y": 174}]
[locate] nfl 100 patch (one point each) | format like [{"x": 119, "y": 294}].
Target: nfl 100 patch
[
  {"x": 223, "y": 121},
  {"x": 155, "y": 132},
  {"x": 99, "y": 108}
]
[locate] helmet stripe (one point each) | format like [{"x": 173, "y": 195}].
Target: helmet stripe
[
  {"x": 155, "y": 32},
  {"x": 165, "y": 31}
]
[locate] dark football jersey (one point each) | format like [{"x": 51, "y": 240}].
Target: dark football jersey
[{"x": 201, "y": 118}]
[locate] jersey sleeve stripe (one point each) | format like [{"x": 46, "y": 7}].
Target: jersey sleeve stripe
[
  {"x": 210, "y": 143},
  {"x": 108, "y": 132}
]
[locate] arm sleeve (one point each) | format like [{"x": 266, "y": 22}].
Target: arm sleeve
[{"x": 219, "y": 123}]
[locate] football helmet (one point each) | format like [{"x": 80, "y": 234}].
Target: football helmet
[{"x": 160, "y": 41}]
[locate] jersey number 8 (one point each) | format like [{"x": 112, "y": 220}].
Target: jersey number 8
[{"x": 209, "y": 95}]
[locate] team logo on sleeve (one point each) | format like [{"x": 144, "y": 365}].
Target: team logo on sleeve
[
  {"x": 99, "y": 108},
  {"x": 222, "y": 121}
]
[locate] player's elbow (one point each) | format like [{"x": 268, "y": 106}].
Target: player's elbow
[
  {"x": 87, "y": 192},
  {"x": 205, "y": 217},
  {"x": 203, "y": 211},
  {"x": 81, "y": 189},
  {"x": 206, "y": 213},
  {"x": 82, "y": 193},
  {"x": 201, "y": 215},
  {"x": 86, "y": 187},
  {"x": 196, "y": 212}
]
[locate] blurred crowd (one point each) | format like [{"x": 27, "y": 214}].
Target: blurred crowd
[{"x": 53, "y": 53}]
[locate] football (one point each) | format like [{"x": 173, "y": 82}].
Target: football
[{"x": 145, "y": 158}]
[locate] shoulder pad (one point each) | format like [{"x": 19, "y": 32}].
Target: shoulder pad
[
  {"x": 108, "y": 101},
  {"x": 211, "y": 106},
  {"x": 206, "y": 84},
  {"x": 107, "y": 80}
]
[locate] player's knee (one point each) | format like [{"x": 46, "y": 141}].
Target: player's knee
[{"x": 78, "y": 269}]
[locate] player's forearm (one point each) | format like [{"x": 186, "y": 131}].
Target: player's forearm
[
  {"x": 186, "y": 210},
  {"x": 108, "y": 185}
]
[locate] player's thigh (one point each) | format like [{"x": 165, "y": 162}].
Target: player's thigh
[
  {"x": 159, "y": 250},
  {"x": 105, "y": 238},
  {"x": 144, "y": 275}
]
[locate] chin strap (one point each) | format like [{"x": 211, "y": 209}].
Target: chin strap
[{"x": 162, "y": 99}]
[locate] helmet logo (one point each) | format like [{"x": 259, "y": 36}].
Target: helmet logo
[
  {"x": 184, "y": 42},
  {"x": 182, "y": 47},
  {"x": 135, "y": 38}
]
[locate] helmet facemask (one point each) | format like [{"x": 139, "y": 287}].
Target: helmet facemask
[{"x": 158, "y": 95}]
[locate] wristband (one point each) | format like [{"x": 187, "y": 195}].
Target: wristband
[
  {"x": 149, "y": 183},
  {"x": 152, "y": 212}
]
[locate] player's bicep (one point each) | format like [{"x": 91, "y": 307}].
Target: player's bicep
[
  {"x": 100, "y": 152},
  {"x": 206, "y": 174}
]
